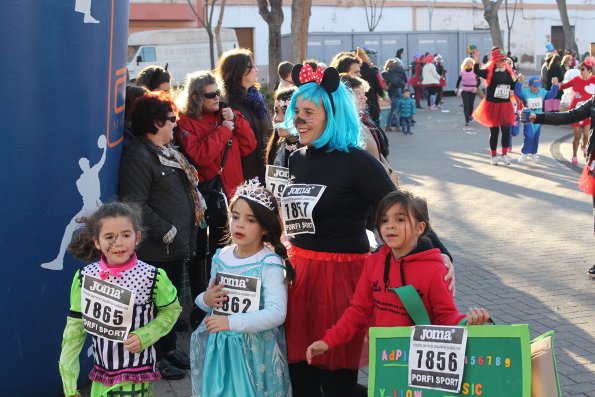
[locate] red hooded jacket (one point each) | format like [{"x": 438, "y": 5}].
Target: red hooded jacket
[{"x": 374, "y": 305}]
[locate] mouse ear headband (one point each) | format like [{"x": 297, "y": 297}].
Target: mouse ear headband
[{"x": 327, "y": 78}]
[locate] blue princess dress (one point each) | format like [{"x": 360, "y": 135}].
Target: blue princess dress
[{"x": 251, "y": 358}]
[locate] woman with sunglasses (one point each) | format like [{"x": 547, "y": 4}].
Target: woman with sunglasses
[
  {"x": 205, "y": 128},
  {"x": 164, "y": 184},
  {"x": 578, "y": 85},
  {"x": 238, "y": 77}
]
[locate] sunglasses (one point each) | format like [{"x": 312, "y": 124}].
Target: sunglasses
[
  {"x": 583, "y": 69},
  {"x": 212, "y": 95},
  {"x": 172, "y": 119}
]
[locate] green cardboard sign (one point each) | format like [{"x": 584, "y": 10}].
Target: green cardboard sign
[{"x": 498, "y": 363}]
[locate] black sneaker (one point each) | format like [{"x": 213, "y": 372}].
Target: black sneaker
[
  {"x": 178, "y": 358},
  {"x": 592, "y": 272},
  {"x": 170, "y": 372}
]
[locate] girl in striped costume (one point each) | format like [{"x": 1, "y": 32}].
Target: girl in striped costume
[{"x": 125, "y": 304}]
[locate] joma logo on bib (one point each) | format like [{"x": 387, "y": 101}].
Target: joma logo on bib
[
  {"x": 300, "y": 190},
  {"x": 436, "y": 335},
  {"x": 233, "y": 282},
  {"x": 281, "y": 173},
  {"x": 106, "y": 289}
]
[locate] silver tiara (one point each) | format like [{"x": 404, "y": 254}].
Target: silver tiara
[{"x": 252, "y": 190}]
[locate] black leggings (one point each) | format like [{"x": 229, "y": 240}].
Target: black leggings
[
  {"x": 494, "y": 137},
  {"x": 309, "y": 381},
  {"x": 468, "y": 102}
]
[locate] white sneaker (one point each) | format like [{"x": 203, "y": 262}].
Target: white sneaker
[
  {"x": 505, "y": 160},
  {"x": 523, "y": 158},
  {"x": 535, "y": 157},
  {"x": 494, "y": 160}
]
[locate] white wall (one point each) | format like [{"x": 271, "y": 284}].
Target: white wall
[{"x": 529, "y": 34}]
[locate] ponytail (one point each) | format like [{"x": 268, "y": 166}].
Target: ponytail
[
  {"x": 82, "y": 245},
  {"x": 280, "y": 249}
]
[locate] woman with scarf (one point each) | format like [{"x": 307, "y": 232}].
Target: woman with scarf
[
  {"x": 238, "y": 82},
  {"x": 164, "y": 184}
]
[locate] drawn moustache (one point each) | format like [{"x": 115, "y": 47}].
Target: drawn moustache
[{"x": 298, "y": 120}]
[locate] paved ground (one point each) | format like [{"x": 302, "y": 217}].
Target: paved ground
[{"x": 519, "y": 234}]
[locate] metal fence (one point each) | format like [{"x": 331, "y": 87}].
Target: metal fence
[{"x": 452, "y": 45}]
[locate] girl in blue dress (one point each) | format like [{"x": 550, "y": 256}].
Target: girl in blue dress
[{"x": 239, "y": 349}]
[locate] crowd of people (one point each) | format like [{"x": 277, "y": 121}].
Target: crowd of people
[{"x": 280, "y": 205}]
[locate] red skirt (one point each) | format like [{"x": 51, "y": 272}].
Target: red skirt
[
  {"x": 582, "y": 123},
  {"x": 494, "y": 114},
  {"x": 325, "y": 283},
  {"x": 586, "y": 182}
]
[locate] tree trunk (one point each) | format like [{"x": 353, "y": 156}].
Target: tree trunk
[
  {"x": 218, "y": 29},
  {"x": 274, "y": 18},
  {"x": 490, "y": 14},
  {"x": 207, "y": 25},
  {"x": 569, "y": 40},
  {"x": 300, "y": 20}
]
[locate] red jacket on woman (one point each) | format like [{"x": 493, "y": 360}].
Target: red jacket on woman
[
  {"x": 204, "y": 141},
  {"x": 423, "y": 268}
]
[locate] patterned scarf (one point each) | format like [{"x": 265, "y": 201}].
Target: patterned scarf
[
  {"x": 172, "y": 158},
  {"x": 255, "y": 101}
]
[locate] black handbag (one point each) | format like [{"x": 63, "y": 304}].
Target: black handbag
[{"x": 212, "y": 191}]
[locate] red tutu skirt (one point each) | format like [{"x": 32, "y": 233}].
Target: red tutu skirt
[
  {"x": 325, "y": 283},
  {"x": 494, "y": 114},
  {"x": 582, "y": 123},
  {"x": 587, "y": 181}
]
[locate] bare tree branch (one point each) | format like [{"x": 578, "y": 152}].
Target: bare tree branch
[
  {"x": 373, "y": 15},
  {"x": 274, "y": 18},
  {"x": 569, "y": 41}
]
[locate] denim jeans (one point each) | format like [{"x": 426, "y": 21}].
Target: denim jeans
[
  {"x": 393, "y": 117},
  {"x": 406, "y": 125}
]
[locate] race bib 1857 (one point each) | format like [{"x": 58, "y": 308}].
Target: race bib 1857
[{"x": 297, "y": 204}]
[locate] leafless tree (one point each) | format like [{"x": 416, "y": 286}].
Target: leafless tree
[
  {"x": 509, "y": 22},
  {"x": 272, "y": 12},
  {"x": 207, "y": 22},
  {"x": 373, "y": 14},
  {"x": 569, "y": 41},
  {"x": 300, "y": 21},
  {"x": 218, "y": 29},
  {"x": 490, "y": 14},
  {"x": 430, "y": 12}
]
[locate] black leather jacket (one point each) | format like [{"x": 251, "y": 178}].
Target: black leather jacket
[
  {"x": 163, "y": 194},
  {"x": 582, "y": 112}
]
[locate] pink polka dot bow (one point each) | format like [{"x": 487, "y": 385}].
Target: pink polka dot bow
[{"x": 307, "y": 74}]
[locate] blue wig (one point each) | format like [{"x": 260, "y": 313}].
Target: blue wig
[{"x": 343, "y": 129}]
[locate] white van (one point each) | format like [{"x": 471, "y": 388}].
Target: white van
[{"x": 183, "y": 50}]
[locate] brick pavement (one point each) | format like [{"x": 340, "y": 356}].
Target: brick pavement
[{"x": 519, "y": 234}]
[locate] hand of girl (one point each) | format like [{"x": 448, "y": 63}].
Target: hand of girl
[
  {"x": 532, "y": 117},
  {"x": 214, "y": 295},
  {"x": 476, "y": 316},
  {"x": 450, "y": 274},
  {"x": 217, "y": 324},
  {"x": 133, "y": 343},
  {"x": 315, "y": 349}
]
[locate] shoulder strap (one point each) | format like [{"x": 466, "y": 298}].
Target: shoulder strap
[
  {"x": 413, "y": 304},
  {"x": 224, "y": 156}
]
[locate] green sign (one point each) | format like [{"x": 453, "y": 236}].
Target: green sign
[{"x": 497, "y": 363}]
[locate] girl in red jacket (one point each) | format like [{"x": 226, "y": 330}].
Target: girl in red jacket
[{"x": 407, "y": 257}]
